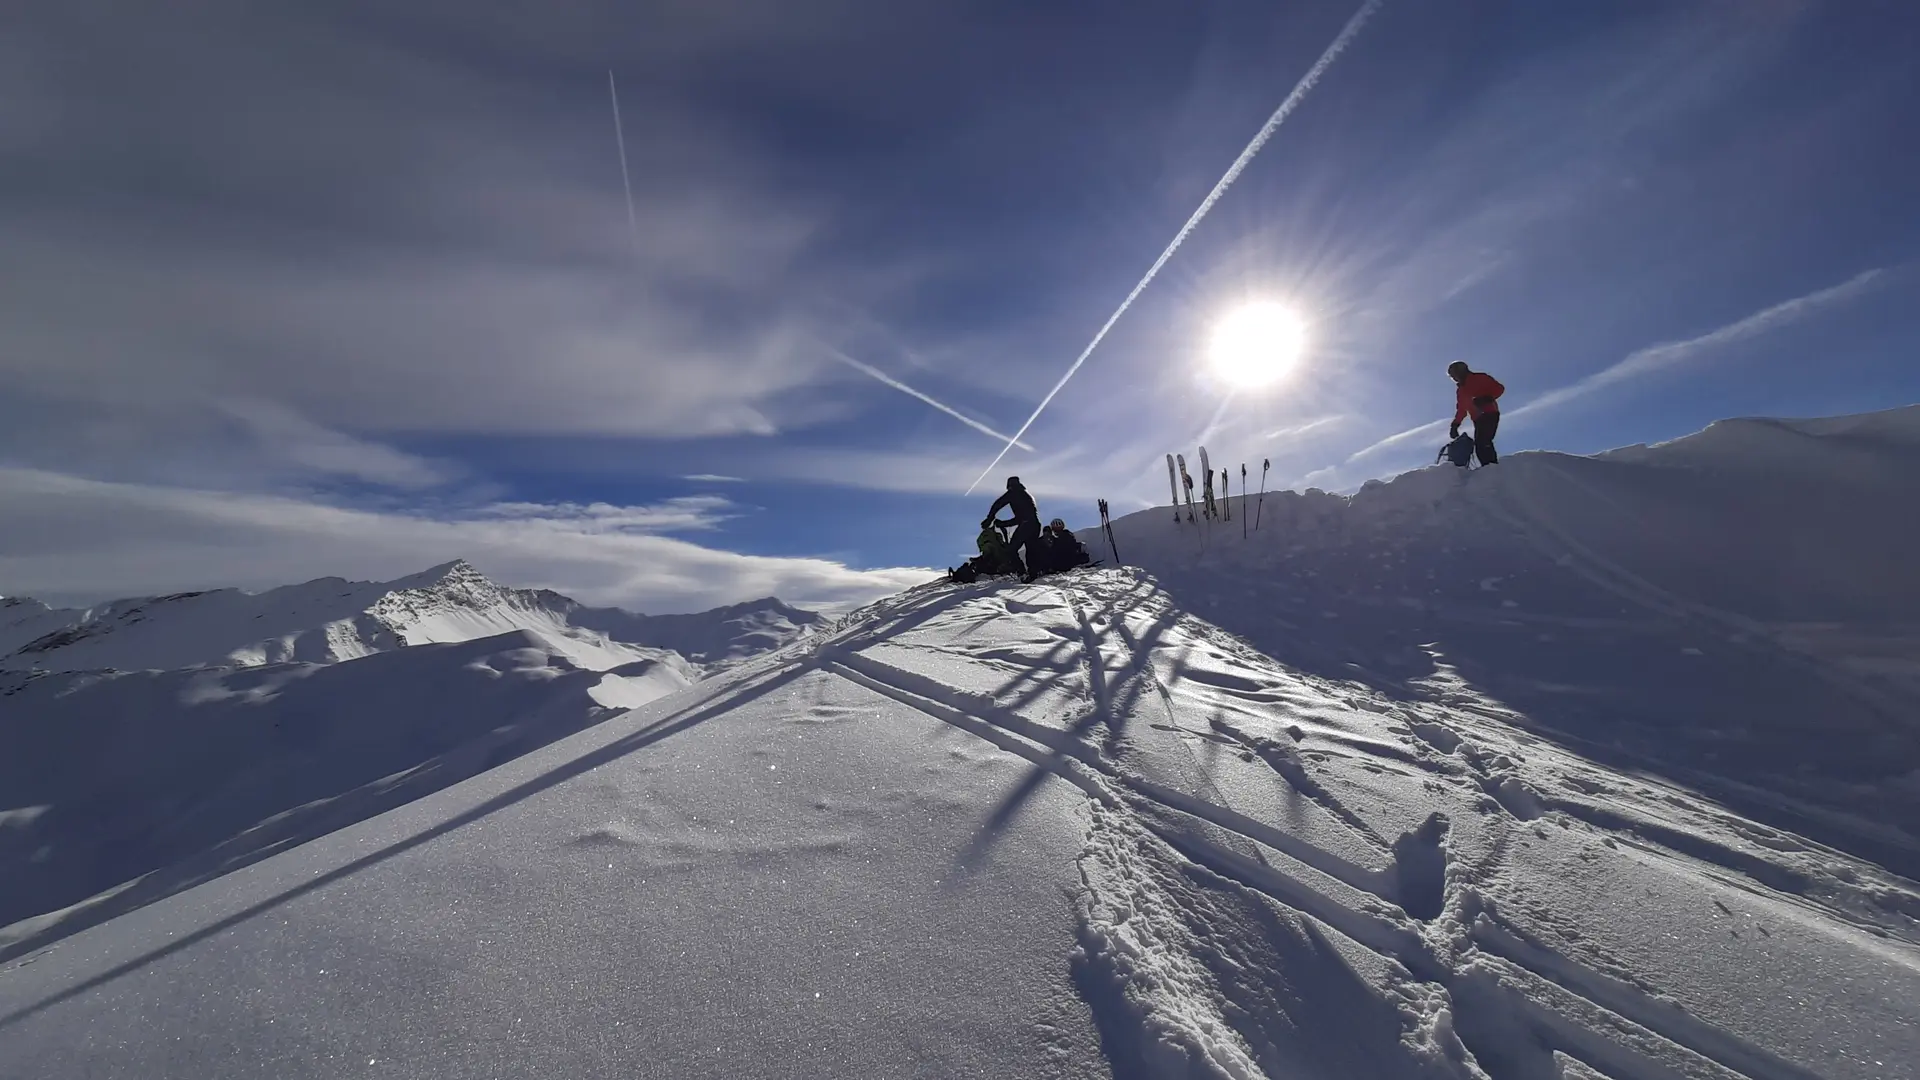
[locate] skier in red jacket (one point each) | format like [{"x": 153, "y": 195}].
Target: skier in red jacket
[{"x": 1478, "y": 396}]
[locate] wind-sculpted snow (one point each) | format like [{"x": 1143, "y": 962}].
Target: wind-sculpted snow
[
  {"x": 1067, "y": 829},
  {"x": 126, "y": 786}
]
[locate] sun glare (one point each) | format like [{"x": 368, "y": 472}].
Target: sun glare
[{"x": 1256, "y": 344}]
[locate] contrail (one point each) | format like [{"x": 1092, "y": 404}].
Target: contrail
[
  {"x": 917, "y": 395},
  {"x": 1300, "y": 90},
  {"x": 620, "y": 140},
  {"x": 1654, "y": 357},
  {"x": 1301, "y": 429},
  {"x": 1213, "y": 425}
]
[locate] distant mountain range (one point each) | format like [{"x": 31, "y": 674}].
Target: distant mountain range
[{"x": 330, "y": 619}]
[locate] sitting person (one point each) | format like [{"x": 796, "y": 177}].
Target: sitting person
[{"x": 1064, "y": 550}]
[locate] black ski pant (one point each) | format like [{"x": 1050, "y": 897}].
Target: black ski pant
[
  {"x": 1026, "y": 546},
  {"x": 1484, "y": 426}
]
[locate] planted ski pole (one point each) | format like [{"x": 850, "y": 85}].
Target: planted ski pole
[
  {"x": 1263, "y": 494},
  {"x": 1226, "y": 495},
  {"x": 1106, "y": 526},
  {"x": 1243, "y": 500}
]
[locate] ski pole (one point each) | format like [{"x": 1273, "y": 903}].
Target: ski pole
[
  {"x": 1243, "y": 498},
  {"x": 1263, "y": 494},
  {"x": 1106, "y": 526}
]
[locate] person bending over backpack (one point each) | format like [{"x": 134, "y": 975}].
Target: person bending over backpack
[
  {"x": 1477, "y": 395},
  {"x": 1026, "y": 527}
]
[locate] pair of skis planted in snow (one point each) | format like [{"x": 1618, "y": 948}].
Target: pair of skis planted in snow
[
  {"x": 1186, "y": 481},
  {"x": 1208, "y": 507}
]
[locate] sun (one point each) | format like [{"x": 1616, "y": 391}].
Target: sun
[{"x": 1257, "y": 343}]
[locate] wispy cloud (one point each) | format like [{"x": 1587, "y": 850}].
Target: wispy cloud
[
  {"x": 303, "y": 445},
  {"x": 462, "y": 287},
  {"x": 886, "y": 379},
  {"x": 713, "y": 478},
  {"x": 64, "y": 539},
  {"x": 685, "y": 513},
  {"x": 1668, "y": 354}
]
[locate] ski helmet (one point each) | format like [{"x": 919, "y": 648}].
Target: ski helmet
[
  {"x": 1459, "y": 369},
  {"x": 1012, "y": 482},
  {"x": 1057, "y": 525}
]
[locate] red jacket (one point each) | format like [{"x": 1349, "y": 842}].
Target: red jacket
[{"x": 1477, "y": 384}]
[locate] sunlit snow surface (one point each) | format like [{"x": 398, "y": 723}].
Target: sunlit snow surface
[{"x": 1277, "y": 808}]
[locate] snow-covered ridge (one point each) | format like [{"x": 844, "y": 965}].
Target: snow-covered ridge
[
  {"x": 1806, "y": 520},
  {"x": 1739, "y": 607}
]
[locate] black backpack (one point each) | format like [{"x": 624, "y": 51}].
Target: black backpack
[{"x": 1459, "y": 451}]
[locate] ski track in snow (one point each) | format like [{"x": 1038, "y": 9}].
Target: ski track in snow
[{"x": 1486, "y": 981}]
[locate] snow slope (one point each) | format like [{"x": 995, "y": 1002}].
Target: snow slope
[
  {"x": 152, "y": 744},
  {"x": 1058, "y": 830},
  {"x": 128, "y": 786},
  {"x": 1285, "y": 807}
]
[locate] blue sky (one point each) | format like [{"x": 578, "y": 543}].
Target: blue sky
[{"x": 352, "y": 291}]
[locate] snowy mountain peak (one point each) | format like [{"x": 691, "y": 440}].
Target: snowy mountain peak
[
  {"x": 456, "y": 575},
  {"x": 454, "y": 585}
]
